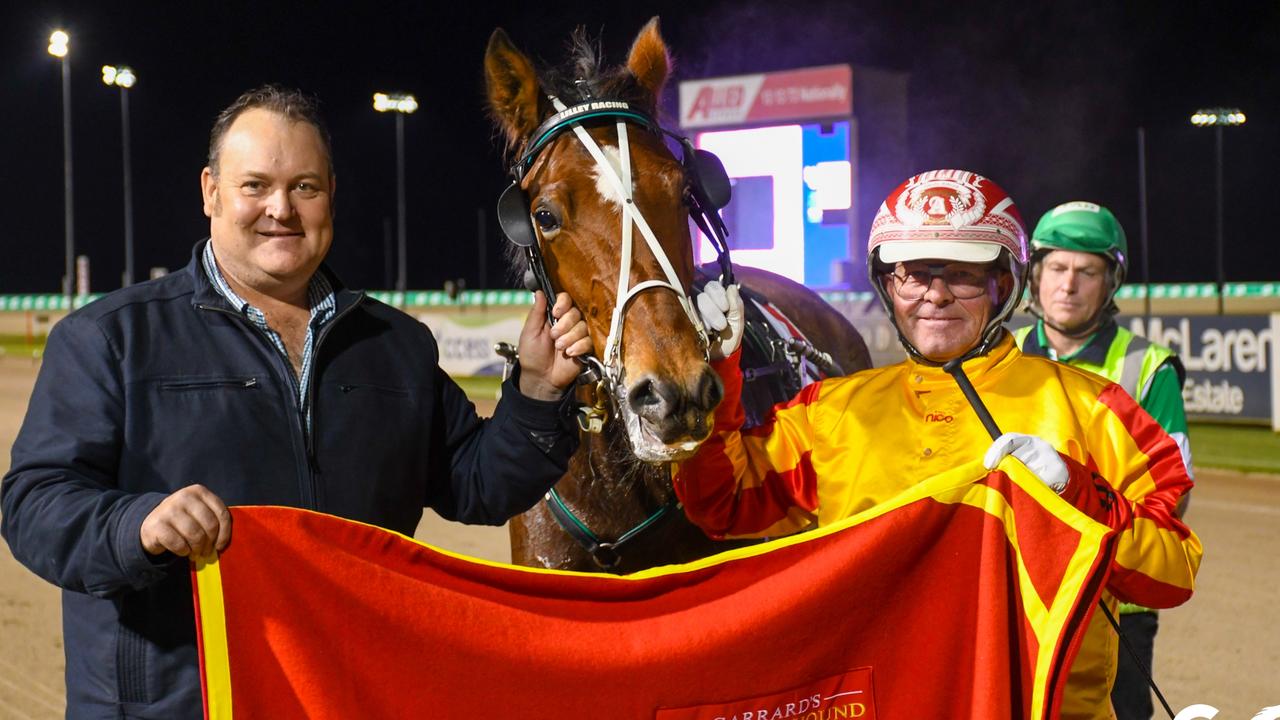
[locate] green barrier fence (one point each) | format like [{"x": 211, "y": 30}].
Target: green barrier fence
[{"x": 439, "y": 298}]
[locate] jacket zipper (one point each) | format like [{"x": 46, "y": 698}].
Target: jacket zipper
[
  {"x": 346, "y": 388},
  {"x": 248, "y": 382},
  {"x": 310, "y": 499},
  {"x": 308, "y": 434},
  {"x": 311, "y": 386}
]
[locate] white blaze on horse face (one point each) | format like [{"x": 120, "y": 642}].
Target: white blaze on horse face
[{"x": 605, "y": 185}]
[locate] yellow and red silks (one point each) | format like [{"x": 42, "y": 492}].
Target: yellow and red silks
[{"x": 965, "y": 597}]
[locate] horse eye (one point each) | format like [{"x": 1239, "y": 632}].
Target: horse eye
[{"x": 546, "y": 219}]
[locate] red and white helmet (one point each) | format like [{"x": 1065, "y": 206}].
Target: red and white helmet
[
  {"x": 951, "y": 215},
  {"x": 947, "y": 215}
]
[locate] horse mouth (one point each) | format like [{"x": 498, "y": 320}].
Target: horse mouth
[{"x": 649, "y": 447}]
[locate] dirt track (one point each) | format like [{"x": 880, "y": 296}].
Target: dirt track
[{"x": 1221, "y": 649}]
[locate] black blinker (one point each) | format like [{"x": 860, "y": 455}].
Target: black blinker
[
  {"x": 714, "y": 180},
  {"x": 513, "y": 216}
]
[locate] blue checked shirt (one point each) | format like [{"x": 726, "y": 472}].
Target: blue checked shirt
[{"x": 321, "y": 300}]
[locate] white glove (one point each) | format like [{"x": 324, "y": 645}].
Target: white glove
[
  {"x": 1038, "y": 455},
  {"x": 722, "y": 314}
]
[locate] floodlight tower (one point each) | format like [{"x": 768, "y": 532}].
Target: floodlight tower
[
  {"x": 59, "y": 47},
  {"x": 1218, "y": 118},
  {"x": 124, "y": 78},
  {"x": 401, "y": 104}
]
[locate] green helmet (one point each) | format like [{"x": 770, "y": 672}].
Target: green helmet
[
  {"x": 1080, "y": 227},
  {"x": 1083, "y": 227}
]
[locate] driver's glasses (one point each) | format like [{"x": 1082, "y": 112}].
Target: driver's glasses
[{"x": 912, "y": 280}]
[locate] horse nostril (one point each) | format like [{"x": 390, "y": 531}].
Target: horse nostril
[
  {"x": 700, "y": 428},
  {"x": 710, "y": 390},
  {"x": 641, "y": 394},
  {"x": 650, "y": 399}
]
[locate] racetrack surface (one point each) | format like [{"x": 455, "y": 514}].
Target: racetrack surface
[{"x": 1221, "y": 649}]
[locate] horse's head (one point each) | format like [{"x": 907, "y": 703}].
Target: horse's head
[{"x": 578, "y": 138}]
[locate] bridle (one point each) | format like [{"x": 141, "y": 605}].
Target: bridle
[{"x": 707, "y": 190}]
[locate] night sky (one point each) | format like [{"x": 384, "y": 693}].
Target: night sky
[{"x": 1046, "y": 99}]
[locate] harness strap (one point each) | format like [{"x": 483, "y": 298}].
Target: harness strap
[
  {"x": 613, "y": 344},
  {"x": 751, "y": 374},
  {"x": 605, "y": 554}
]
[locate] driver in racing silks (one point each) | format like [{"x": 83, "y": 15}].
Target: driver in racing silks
[{"x": 947, "y": 255}]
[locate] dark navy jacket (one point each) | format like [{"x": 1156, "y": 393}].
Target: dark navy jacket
[{"x": 163, "y": 385}]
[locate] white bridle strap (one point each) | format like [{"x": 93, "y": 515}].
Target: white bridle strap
[
  {"x": 613, "y": 345},
  {"x": 631, "y": 217}
]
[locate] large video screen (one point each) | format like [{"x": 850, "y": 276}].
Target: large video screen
[{"x": 792, "y": 191}]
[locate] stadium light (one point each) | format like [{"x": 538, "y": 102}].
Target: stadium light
[
  {"x": 59, "y": 47},
  {"x": 124, "y": 78},
  {"x": 58, "y": 43},
  {"x": 397, "y": 102},
  {"x": 401, "y": 104},
  {"x": 1218, "y": 118}
]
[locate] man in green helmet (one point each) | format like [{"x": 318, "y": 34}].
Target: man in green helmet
[{"x": 1078, "y": 262}]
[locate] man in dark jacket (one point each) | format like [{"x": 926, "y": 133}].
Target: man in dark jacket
[{"x": 252, "y": 377}]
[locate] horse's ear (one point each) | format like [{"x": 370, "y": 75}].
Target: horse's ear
[
  {"x": 649, "y": 62},
  {"x": 512, "y": 87}
]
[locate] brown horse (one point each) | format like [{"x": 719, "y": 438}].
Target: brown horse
[{"x": 656, "y": 386}]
